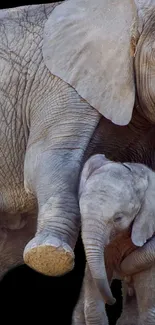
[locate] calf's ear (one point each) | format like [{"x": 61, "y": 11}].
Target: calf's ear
[{"x": 144, "y": 224}]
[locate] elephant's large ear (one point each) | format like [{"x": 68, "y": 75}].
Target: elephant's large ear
[
  {"x": 144, "y": 225},
  {"x": 144, "y": 8},
  {"x": 91, "y": 165},
  {"x": 90, "y": 45}
]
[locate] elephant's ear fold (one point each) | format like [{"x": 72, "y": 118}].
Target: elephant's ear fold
[
  {"x": 144, "y": 224},
  {"x": 89, "y": 45}
]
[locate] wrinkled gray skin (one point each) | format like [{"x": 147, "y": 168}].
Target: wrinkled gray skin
[
  {"x": 112, "y": 197},
  {"x": 46, "y": 133},
  {"x": 43, "y": 139},
  {"x": 138, "y": 308}
]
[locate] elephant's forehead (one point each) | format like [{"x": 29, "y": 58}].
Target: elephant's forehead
[
  {"x": 113, "y": 206},
  {"x": 113, "y": 195},
  {"x": 111, "y": 179}
]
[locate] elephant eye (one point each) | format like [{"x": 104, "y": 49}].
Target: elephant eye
[{"x": 118, "y": 217}]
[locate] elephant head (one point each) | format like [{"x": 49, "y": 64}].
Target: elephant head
[
  {"x": 112, "y": 197},
  {"x": 105, "y": 50}
]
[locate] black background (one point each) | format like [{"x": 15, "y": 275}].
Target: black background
[{"x": 28, "y": 296}]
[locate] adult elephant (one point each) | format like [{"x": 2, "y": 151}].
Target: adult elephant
[{"x": 64, "y": 74}]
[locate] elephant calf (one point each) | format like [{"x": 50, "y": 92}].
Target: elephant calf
[
  {"x": 112, "y": 197},
  {"x": 138, "y": 308}
]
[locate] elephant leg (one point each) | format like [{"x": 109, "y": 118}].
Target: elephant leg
[
  {"x": 62, "y": 125},
  {"x": 129, "y": 314},
  {"x": 12, "y": 242},
  {"x": 144, "y": 283},
  {"x": 78, "y": 317},
  {"x": 94, "y": 306}
]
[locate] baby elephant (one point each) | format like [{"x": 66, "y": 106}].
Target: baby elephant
[
  {"x": 138, "y": 304},
  {"x": 112, "y": 197}
]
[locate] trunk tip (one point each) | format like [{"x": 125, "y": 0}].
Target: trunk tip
[
  {"x": 103, "y": 286},
  {"x": 111, "y": 301}
]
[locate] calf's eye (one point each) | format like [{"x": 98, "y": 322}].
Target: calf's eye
[{"x": 118, "y": 217}]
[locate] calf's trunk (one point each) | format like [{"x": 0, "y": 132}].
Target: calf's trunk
[{"x": 95, "y": 237}]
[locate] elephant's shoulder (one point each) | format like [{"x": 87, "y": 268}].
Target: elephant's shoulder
[
  {"x": 20, "y": 39},
  {"x": 21, "y": 34},
  {"x": 33, "y": 14}
]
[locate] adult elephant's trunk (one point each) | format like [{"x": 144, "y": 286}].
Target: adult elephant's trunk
[
  {"x": 95, "y": 237},
  {"x": 140, "y": 259}
]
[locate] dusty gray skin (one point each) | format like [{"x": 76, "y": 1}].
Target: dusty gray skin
[
  {"x": 43, "y": 139},
  {"x": 112, "y": 197},
  {"x": 46, "y": 132},
  {"x": 138, "y": 308}
]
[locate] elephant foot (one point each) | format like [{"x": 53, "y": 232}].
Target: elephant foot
[{"x": 48, "y": 255}]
